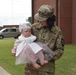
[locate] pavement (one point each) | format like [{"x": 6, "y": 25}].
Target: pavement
[{"x": 3, "y": 71}]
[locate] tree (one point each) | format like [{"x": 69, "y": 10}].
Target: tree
[{"x": 29, "y": 20}]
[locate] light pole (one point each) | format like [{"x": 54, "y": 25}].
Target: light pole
[{"x": 1, "y": 24}]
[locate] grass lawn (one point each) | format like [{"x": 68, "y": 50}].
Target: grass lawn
[
  {"x": 66, "y": 65},
  {"x": 7, "y": 61}
]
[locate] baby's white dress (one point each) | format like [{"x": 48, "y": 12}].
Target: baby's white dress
[{"x": 26, "y": 51}]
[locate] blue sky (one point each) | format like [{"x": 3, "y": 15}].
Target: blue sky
[{"x": 14, "y": 11}]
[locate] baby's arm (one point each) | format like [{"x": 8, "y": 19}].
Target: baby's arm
[{"x": 17, "y": 42}]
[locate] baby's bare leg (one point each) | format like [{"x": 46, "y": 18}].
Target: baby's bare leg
[
  {"x": 33, "y": 58},
  {"x": 40, "y": 55},
  {"x": 36, "y": 65}
]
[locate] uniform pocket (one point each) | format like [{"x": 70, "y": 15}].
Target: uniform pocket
[{"x": 27, "y": 72}]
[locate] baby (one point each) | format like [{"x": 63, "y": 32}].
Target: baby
[{"x": 27, "y": 50}]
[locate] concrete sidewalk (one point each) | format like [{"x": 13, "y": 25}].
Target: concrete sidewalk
[{"x": 3, "y": 72}]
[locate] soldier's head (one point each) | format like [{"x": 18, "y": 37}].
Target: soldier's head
[
  {"x": 44, "y": 12},
  {"x": 45, "y": 15}
]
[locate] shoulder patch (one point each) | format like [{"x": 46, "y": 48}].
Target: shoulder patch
[{"x": 62, "y": 42}]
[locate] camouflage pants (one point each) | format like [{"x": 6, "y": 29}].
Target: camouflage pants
[{"x": 36, "y": 72}]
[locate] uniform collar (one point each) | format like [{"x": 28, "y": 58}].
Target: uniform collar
[{"x": 45, "y": 27}]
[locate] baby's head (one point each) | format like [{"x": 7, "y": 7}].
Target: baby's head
[
  {"x": 25, "y": 29},
  {"x": 24, "y": 26}
]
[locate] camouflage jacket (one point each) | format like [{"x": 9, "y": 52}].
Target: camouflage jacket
[{"x": 54, "y": 40}]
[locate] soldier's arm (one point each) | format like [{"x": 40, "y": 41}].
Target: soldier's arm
[{"x": 59, "y": 47}]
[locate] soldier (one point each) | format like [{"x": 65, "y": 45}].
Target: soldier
[{"x": 50, "y": 34}]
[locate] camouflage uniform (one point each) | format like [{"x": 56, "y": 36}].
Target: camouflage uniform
[{"x": 54, "y": 40}]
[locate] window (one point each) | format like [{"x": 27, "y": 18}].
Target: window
[
  {"x": 12, "y": 30},
  {"x": 6, "y": 30}
]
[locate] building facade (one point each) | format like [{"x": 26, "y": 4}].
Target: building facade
[
  {"x": 9, "y": 26},
  {"x": 65, "y": 11}
]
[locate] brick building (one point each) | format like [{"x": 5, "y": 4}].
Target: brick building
[
  {"x": 65, "y": 11},
  {"x": 9, "y": 26}
]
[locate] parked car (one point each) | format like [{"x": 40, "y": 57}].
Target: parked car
[{"x": 9, "y": 32}]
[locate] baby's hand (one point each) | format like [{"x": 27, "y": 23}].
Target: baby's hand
[{"x": 13, "y": 54}]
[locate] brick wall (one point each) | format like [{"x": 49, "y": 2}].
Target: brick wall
[
  {"x": 65, "y": 19},
  {"x": 74, "y": 22}
]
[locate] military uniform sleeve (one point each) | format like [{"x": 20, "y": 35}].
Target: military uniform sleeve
[{"x": 59, "y": 46}]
